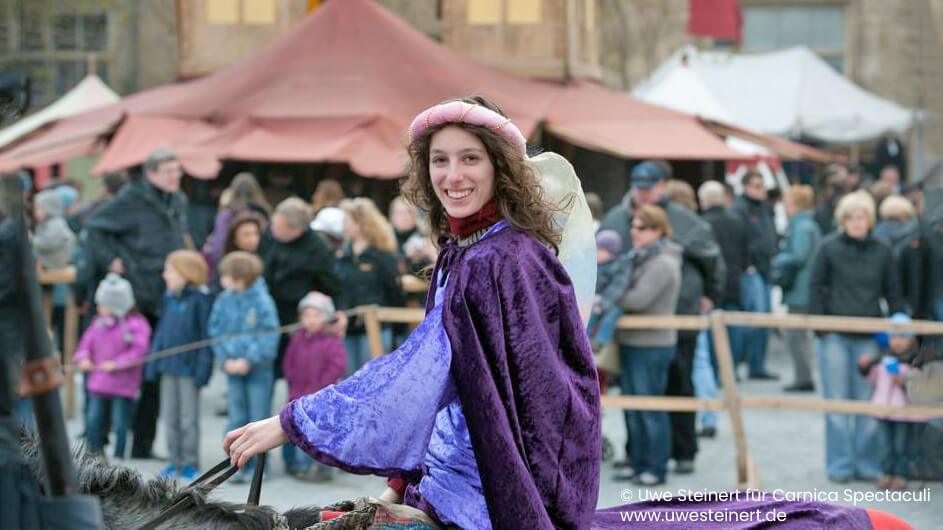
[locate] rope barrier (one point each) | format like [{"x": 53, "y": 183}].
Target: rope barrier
[{"x": 184, "y": 348}]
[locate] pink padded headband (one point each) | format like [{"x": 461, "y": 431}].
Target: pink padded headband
[{"x": 461, "y": 112}]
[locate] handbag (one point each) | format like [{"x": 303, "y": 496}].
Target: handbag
[
  {"x": 925, "y": 386},
  {"x": 607, "y": 359}
]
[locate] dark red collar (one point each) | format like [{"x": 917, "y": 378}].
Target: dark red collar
[{"x": 482, "y": 219}]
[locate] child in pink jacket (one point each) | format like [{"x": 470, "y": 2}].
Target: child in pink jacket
[
  {"x": 888, "y": 374},
  {"x": 116, "y": 338},
  {"x": 313, "y": 360}
]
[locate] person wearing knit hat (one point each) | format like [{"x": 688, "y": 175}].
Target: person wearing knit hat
[
  {"x": 319, "y": 301},
  {"x": 48, "y": 203},
  {"x": 610, "y": 241},
  {"x": 185, "y": 313},
  {"x": 67, "y": 197},
  {"x": 114, "y": 292},
  {"x": 313, "y": 360},
  {"x": 110, "y": 350},
  {"x": 888, "y": 373},
  {"x": 53, "y": 240},
  {"x": 190, "y": 265}
]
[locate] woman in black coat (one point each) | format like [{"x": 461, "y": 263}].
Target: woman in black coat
[
  {"x": 368, "y": 270},
  {"x": 852, "y": 273}
]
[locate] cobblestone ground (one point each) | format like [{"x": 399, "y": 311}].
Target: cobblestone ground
[{"x": 788, "y": 447}]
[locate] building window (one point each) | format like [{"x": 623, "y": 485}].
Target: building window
[
  {"x": 484, "y": 11},
  {"x": 258, "y": 12},
  {"x": 95, "y": 31},
  {"x": 222, "y": 11},
  {"x": 31, "y": 31},
  {"x": 820, "y": 27},
  {"x": 492, "y": 12},
  {"x": 65, "y": 32},
  {"x": 523, "y": 11},
  {"x": 262, "y": 12},
  {"x": 71, "y": 31}
]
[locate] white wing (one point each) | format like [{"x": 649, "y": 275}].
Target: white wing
[{"x": 578, "y": 248}]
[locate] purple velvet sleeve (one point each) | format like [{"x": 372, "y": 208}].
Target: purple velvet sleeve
[{"x": 379, "y": 420}]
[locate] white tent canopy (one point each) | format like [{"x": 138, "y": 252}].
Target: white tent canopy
[
  {"x": 91, "y": 92},
  {"x": 790, "y": 93}
]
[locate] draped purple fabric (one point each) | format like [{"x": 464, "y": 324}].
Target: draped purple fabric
[
  {"x": 526, "y": 380},
  {"x": 522, "y": 371}
]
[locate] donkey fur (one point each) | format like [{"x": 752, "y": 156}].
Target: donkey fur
[{"x": 130, "y": 501}]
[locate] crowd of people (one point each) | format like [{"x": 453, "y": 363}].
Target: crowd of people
[
  {"x": 665, "y": 249},
  {"x": 145, "y": 288},
  {"x": 862, "y": 252}
]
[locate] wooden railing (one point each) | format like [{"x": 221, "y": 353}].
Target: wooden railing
[
  {"x": 732, "y": 401},
  {"x": 718, "y": 321}
]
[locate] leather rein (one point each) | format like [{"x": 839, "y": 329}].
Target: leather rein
[{"x": 221, "y": 471}]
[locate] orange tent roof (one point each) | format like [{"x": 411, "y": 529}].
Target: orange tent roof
[{"x": 344, "y": 84}]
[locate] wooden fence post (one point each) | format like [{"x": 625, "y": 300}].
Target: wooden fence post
[
  {"x": 747, "y": 475},
  {"x": 69, "y": 342},
  {"x": 374, "y": 336}
]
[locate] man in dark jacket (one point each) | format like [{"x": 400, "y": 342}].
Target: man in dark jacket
[
  {"x": 734, "y": 245},
  {"x": 752, "y": 209},
  {"x": 702, "y": 284},
  {"x": 132, "y": 235},
  {"x": 296, "y": 261}
]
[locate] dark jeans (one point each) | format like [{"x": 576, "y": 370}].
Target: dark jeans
[
  {"x": 755, "y": 293},
  {"x": 145, "y": 419},
  {"x": 602, "y": 327},
  {"x": 896, "y": 461},
  {"x": 645, "y": 373},
  {"x": 95, "y": 429},
  {"x": 249, "y": 398},
  {"x": 144, "y": 424},
  {"x": 680, "y": 383}
]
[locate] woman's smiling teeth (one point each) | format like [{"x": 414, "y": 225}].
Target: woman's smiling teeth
[{"x": 458, "y": 194}]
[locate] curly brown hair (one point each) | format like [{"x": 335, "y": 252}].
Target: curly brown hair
[{"x": 517, "y": 191}]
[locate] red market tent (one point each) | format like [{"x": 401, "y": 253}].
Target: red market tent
[{"x": 343, "y": 85}]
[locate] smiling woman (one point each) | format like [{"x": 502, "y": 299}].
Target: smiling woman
[
  {"x": 483, "y": 142},
  {"x": 488, "y": 415},
  {"x": 462, "y": 174}
]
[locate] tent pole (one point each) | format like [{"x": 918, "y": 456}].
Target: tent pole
[{"x": 854, "y": 155}]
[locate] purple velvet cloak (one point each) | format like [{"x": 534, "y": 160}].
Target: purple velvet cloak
[
  {"x": 508, "y": 334},
  {"x": 526, "y": 379}
]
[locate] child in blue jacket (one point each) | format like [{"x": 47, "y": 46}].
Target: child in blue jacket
[
  {"x": 184, "y": 314},
  {"x": 245, "y": 306}
]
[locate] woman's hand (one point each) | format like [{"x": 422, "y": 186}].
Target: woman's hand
[
  {"x": 389, "y": 495},
  {"x": 252, "y": 439},
  {"x": 338, "y": 327}
]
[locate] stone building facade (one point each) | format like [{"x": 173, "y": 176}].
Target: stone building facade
[
  {"x": 134, "y": 43},
  {"x": 215, "y": 34},
  {"x": 893, "y": 48}
]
